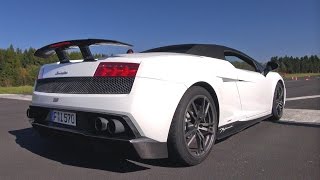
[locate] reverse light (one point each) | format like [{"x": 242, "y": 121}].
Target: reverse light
[{"x": 116, "y": 69}]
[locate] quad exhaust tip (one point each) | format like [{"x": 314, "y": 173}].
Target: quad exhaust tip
[
  {"x": 112, "y": 126},
  {"x": 115, "y": 127},
  {"x": 101, "y": 124}
]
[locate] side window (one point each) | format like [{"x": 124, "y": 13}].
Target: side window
[{"x": 239, "y": 63}]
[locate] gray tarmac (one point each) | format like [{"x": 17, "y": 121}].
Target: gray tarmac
[{"x": 268, "y": 150}]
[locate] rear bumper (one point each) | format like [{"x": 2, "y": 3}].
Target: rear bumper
[
  {"x": 150, "y": 105},
  {"x": 146, "y": 148}
]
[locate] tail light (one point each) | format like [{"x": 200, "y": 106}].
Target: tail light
[
  {"x": 40, "y": 74},
  {"x": 115, "y": 69}
]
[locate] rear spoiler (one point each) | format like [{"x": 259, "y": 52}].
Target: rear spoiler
[{"x": 60, "y": 48}]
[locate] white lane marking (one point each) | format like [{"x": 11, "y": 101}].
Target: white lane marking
[
  {"x": 16, "y": 96},
  {"x": 301, "y": 116},
  {"x": 302, "y": 97}
]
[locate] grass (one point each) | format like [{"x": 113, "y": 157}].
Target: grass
[
  {"x": 300, "y": 75},
  {"x": 16, "y": 90}
]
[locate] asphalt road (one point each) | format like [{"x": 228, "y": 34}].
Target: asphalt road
[
  {"x": 303, "y": 88},
  {"x": 267, "y": 150}
]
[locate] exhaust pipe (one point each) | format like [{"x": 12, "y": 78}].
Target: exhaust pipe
[
  {"x": 101, "y": 124},
  {"x": 115, "y": 127},
  {"x": 31, "y": 116},
  {"x": 28, "y": 113},
  {"x": 31, "y": 113}
]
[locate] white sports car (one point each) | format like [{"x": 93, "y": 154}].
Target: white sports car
[{"x": 172, "y": 101}]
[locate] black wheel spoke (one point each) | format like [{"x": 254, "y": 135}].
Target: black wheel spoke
[
  {"x": 279, "y": 107},
  {"x": 201, "y": 145},
  {"x": 203, "y": 106},
  {"x": 281, "y": 93},
  {"x": 195, "y": 110},
  {"x": 192, "y": 115},
  {"x": 190, "y": 140},
  {"x": 190, "y": 132},
  {"x": 189, "y": 125},
  {"x": 280, "y": 104},
  {"x": 206, "y": 110},
  {"x": 199, "y": 126},
  {"x": 207, "y": 124},
  {"x": 207, "y": 130}
]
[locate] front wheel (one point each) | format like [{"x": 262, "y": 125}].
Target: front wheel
[
  {"x": 193, "y": 128},
  {"x": 278, "y": 102}
]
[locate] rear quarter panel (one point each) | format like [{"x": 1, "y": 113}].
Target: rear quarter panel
[{"x": 188, "y": 70}]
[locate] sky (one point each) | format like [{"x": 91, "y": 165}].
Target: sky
[{"x": 262, "y": 29}]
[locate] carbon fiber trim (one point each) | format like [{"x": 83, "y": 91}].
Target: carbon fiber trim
[{"x": 85, "y": 85}]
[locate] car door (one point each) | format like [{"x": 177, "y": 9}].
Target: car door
[
  {"x": 252, "y": 85},
  {"x": 230, "y": 105}
]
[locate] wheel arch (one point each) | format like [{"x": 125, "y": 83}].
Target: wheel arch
[
  {"x": 281, "y": 81},
  {"x": 212, "y": 92},
  {"x": 284, "y": 88},
  {"x": 276, "y": 78}
]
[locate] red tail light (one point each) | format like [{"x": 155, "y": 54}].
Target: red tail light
[
  {"x": 115, "y": 69},
  {"x": 60, "y": 44}
]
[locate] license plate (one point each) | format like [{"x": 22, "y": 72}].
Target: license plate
[{"x": 62, "y": 117}]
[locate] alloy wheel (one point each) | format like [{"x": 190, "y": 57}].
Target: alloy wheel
[
  {"x": 199, "y": 126},
  {"x": 279, "y": 100}
]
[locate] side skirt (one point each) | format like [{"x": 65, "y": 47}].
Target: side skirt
[{"x": 235, "y": 127}]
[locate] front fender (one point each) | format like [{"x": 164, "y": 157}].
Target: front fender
[{"x": 275, "y": 77}]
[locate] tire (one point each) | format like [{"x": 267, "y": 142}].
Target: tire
[
  {"x": 193, "y": 128},
  {"x": 278, "y": 102}
]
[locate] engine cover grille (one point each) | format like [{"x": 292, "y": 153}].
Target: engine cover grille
[{"x": 85, "y": 85}]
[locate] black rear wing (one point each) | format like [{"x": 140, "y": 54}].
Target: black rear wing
[{"x": 60, "y": 48}]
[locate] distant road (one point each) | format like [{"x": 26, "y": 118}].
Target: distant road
[{"x": 302, "y": 88}]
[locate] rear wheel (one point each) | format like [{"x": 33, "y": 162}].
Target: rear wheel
[
  {"x": 193, "y": 128},
  {"x": 278, "y": 102}
]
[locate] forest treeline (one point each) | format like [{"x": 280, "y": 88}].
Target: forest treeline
[
  {"x": 20, "y": 67},
  {"x": 305, "y": 64}
]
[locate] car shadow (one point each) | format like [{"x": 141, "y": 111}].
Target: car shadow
[
  {"x": 304, "y": 124},
  {"x": 74, "y": 154}
]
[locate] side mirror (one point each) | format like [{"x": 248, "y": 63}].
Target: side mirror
[{"x": 269, "y": 67}]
